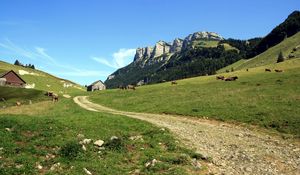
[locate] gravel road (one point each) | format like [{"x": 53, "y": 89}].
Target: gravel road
[{"x": 234, "y": 149}]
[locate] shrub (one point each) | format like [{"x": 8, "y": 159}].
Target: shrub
[{"x": 71, "y": 150}]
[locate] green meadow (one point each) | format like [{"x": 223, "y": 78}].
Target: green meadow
[
  {"x": 267, "y": 99},
  {"x": 43, "y": 138}
]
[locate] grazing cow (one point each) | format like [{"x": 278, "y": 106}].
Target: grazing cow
[
  {"x": 54, "y": 97},
  {"x": 268, "y": 70},
  {"x": 131, "y": 87},
  {"x": 173, "y": 83},
  {"x": 247, "y": 70},
  {"x": 220, "y": 77},
  {"x": 122, "y": 87},
  {"x": 18, "y": 103},
  {"x": 278, "y": 70},
  {"x": 231, "y": 78},
  {"x": 49, "y": 94}
]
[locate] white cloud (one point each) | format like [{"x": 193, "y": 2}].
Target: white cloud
[
  {"x": 123, "y": 57},
  {"x": 40, "y": 54},
  {"x": 120, "y": 58},
  {"x": 104, "y": 61}
]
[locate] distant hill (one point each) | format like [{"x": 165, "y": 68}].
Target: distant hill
[
  {"x": 40, "y": 80},
  {"x": 286, "y": 29},
  {"x": 290, "y": 48}
]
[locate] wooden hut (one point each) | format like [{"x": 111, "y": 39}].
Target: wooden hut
[
  {"x": 97, "y": 85},
  {"x": 11, "y": 78}
]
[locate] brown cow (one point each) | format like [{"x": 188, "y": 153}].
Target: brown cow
[
  {"x": 231, "y": 78},
  {"x": 173, "y": 83},
  {"x": 131, "y": 87},
  {"x": 220, "y": 77},
  {"x": 268, "y": 70},
  {"x": 278, "y": 70}
]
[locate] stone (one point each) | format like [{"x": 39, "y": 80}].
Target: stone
[
  {"x": 99, "y": 143},
  {"x": 86, "y": 141},
  {"x": 39, "y": 167},
  {"x": 83, "y": 148},
  {"x": 176, "y": 46},
  {"x": 55, "y": 166},
  {"x": 80, "y": 136},
  {"x": 87, "y": 171},
  {"x": 114, "y": 138},
  {"x": 8, "y": 129},
  {"x": 138, "y": 137},
  {"x": 196, "y": 164},
  {"x": 151, "y": 163},
  {"x": 18, "y": 166}
]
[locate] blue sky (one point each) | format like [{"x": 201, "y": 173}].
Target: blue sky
[{"x": 86, "y": 40}]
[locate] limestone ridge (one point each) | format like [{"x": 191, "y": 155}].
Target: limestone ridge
[{"x": 162, "y": 50}]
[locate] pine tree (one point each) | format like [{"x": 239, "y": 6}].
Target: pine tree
[
  {"x": 17, "y": 63},
  {"x": 280, "y": 57}
]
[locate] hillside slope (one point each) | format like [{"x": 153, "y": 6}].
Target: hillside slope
[
  {"x": 290, "y": 48},
  {"x": 40, "y": 80}
]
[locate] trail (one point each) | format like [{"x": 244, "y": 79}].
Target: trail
[{"x": 234, "y": 149}]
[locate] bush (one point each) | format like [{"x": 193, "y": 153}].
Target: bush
[{"x": 71, "y": 150}]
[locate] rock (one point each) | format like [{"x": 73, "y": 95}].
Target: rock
[
  {"x": 55, "y": 166},
  {"x": 86, "y": 141},
  {"x": 151, "y": 163},
  {"x": 138, "y": 137},
  {"x": 8, "y": 129},
  {"x": 160, "y": 48},
  {"x": 162, "y": 129},
  {"x": 87, "y": 171},
  {"x": 114, "y": 138},
  {"x": 196, "y": 164},
  {"x": 248, "y": 169},
  {"x": 176, "y": 46},
  {"x": 84, "y": 148},
  {"x": 99, "y": 143},
  {"x": 39, "y": 167},
  {"x": 20, "y": 166}
]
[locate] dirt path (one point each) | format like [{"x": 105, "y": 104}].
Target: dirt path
[{"x": 233, "y": 149}]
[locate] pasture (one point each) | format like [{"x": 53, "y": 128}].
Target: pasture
[
  {"x": 267, "y": 99},
  {"x": 43, "y": 138}
]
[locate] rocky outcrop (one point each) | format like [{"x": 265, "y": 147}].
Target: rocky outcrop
[
  {"x": 200, "y": 35},
  {"x": 149, "y": 54}
]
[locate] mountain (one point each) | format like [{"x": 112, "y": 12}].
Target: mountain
[
  {"x": 286, "y": 29},
  {"x": 149, "y": 62},
  {"x": 200, "y": 53}
]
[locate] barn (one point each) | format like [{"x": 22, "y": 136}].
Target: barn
[
  {"x": 11, "y": 78},
  {"x": 97, "y": 85}
]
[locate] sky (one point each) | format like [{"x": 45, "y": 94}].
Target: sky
[{"x": 87, "y": 40}]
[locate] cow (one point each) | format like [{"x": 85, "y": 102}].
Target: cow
[
  {"x": 18, "y": 103},
  {"x": 122, "y": 87},
  {"x": 131, "y": 87},
  {"x": 231, "y": 78},
  {"x": 278, "y": 70},
  {"x": 173, "y": 82},
  {"x": 49, "y": 94},
  {"x": 54, "y": 97},
  {"x": 268, "y": 70},
  {"x": 220, "y": 77}
]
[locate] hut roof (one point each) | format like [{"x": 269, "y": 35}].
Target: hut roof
[{"x": 2, "y": 75}]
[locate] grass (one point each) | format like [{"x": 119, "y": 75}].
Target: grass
[
  {"x": 49, "y": 137},
  {"x": 9, "y": 96},
  {"x": 270, "y": 56},
  {"x": 262, "y": 98},
  {"x": 42, "y": 80},
  {"x": 234, "y": 66},
  {"x": 212, "y": 43}
]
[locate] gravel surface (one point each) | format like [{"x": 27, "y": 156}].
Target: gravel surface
[{"x": 233, "y": 149}]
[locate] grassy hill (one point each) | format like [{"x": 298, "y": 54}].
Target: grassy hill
[
  {"x": 268, "y": 99},
  {"x": 270, "y": 56},
  {"x": 43, "y": 81},
  {"x": 9, "y": 96}
]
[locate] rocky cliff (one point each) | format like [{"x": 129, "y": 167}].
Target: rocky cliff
[{"x": 162, "y": 50}]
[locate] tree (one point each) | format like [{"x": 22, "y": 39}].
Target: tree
[
  {"x": 280, "y": 57},
  {"x": 17, "y": 63}
]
